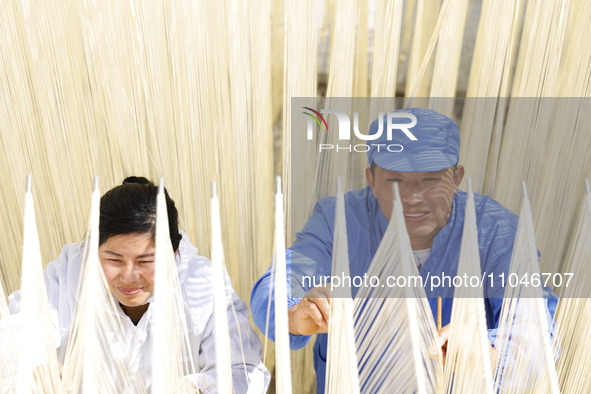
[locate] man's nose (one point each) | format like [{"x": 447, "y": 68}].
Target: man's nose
[{"x": 412, "y": 194}]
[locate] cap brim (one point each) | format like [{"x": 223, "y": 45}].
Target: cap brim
[{"x": 417, "y": 162}]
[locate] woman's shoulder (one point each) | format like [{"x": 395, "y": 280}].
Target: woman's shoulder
[
  {"x": 61, "y": 278},
  {"x": 195, "y": 280},
  {"x": 188, "y": 257},
  {"x": 194, "y": 270},
  {"x": 195, "y": 274},
  {"x": 68, "y": 262}
]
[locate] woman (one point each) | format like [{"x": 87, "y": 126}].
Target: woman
[{"x": 126, "y": 253}]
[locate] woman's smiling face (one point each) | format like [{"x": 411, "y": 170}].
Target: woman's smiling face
[{"x": 128, "y": 264}]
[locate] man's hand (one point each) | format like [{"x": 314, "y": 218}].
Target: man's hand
[
  {"x": 443, "y": 335},
  {"x": 312, "y": 314}
]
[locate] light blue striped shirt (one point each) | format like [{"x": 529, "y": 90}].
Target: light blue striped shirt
[{"x": 250, "y": 376}]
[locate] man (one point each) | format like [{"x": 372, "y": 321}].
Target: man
[{"x": 428, "y": 176}]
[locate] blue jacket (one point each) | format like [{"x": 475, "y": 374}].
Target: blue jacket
[{"x": 311, "y": 255}]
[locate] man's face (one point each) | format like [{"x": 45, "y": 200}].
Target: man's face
[
  {"x": 128, "y": 264},
  {"x": 426, "y": 199}
]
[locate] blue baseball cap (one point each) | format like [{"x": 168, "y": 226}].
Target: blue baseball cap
[{"x": 421, "y": 140}]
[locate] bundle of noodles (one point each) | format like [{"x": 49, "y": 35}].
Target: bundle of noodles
[
  {"x": 38, "y": 369},
  {"x": 171, "y": 353},
  {"x": 467, "y": 366},
  {"x": 282, "y": 351},
  {"x": 417, "y": 85},
  {"x": 385, "y": 48},
  {"x": 447, "y": 59},
  {"x": 527, "y": 127},
  {"x": 341, "y": 83},
  {"x": 488, "y": 80},
  {"x": 299, "y": 80},
  {"x": 341, "y": 362},
  {"x": 424, "y": 35},
  {"x": 556, "y": 213},
  {"x": 574, "y": 312},
  {"x": 3, "y": 305},
  {"x": 524, "y": 349},
  {"x": 394, "y": 325},
  {"x": 8, "y": 356},
  {"x": 224, "y": 302},
  {"x": 222, "y": 338}
]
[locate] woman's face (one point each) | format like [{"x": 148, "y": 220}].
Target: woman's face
[{"x": 128, "y": 263}]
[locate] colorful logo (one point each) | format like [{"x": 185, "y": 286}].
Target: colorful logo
[{"x": 317, "y": 117}]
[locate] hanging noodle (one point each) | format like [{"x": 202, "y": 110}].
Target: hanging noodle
[
  {"x": 341, "y": 362},
  {"x": 282, "y": 361},
  {"x": 171, "y": 353},
  {"x": 574, "y": 311},
  {"x": 300, "y": 76},
  {"x": 525, "y": 355},
  {"x": 468, "y": 366},
  {"x": 37, "y": 361},
  {"x": 447, "y": 59},
  {"x": 222, "y": 344}
]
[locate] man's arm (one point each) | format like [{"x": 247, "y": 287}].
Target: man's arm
[
  {"x": 310, "y": 257},
  {"x": 262, "y": 305}
]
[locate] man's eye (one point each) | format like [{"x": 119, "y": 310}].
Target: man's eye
[
  {"x": 145, "y": 261},
  {"x": 115, "y": 260},
  {"x": 431, "y": 179}
]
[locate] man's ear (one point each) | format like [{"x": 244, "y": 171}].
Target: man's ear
[
  {"x": 370, "y": 179},
  {"x": 459, "y": 175}
]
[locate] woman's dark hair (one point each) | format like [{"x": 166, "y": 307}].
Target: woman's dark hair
[{"x": 131, "y": 208}]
